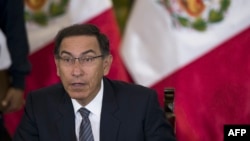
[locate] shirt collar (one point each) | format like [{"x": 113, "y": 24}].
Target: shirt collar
[{"x": 94, "y": 106}]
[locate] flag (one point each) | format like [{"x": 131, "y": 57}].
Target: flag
[
  {"x": 44, "y": 19},
  {"x": 200, "y": 48}
]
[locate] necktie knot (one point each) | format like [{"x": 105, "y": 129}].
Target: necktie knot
[{"x": 84, "y": 112}]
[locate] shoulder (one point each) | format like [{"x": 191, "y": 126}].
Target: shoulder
[
  {"x": 125, "y": 85},
  {"x": 50, "y": 91},
  {"x": 46, "y": 99},
  {"x": 128, "y": 89},
  {"x": 51, "y": 88},
  {"x": 131, "y": 97}
]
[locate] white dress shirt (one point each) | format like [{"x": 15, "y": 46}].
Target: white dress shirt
[{"x": 94, "y": 107}]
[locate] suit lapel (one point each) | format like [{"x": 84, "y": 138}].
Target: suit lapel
[
  {"x": 109, "y": 123},
  {"x": 109, "y": 126},
  {"x": 66, "y": 119}
]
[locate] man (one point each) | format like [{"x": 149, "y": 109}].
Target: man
[
  {"x": 118, "y": 111},
  {"x": 12, "y": 79}
]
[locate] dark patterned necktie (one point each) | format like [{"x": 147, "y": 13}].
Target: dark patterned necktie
[{"x": 85, "y": 133}]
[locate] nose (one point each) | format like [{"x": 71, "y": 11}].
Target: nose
[{"x": 77, "y": 70}]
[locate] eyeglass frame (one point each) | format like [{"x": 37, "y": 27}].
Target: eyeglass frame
[{"x": 81, "y": 60}]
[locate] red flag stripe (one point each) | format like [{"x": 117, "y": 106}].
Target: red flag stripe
[{"x": 212, "y": 91}]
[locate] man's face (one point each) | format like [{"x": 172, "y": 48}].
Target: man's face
[{"x": 82, "y": 81}]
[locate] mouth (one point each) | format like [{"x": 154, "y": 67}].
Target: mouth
[{"x": 77, "y": 85}]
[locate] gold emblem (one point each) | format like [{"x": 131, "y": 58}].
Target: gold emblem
[
  {"x": 35, "y": 4},
  {"x": 192, "y": 7}
]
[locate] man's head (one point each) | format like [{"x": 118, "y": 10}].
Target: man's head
[
  {"x": 82, "y": 58},
  {"x": 82, "y": 29}
]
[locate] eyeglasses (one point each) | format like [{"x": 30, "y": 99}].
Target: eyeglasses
[{"x": 69, "y": 60}]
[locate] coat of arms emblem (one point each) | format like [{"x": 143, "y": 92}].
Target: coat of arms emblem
[
  {"x": 196, "y": 14},
  {"x": 41, "y": 11}
]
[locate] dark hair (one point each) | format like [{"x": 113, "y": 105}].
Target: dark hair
[{"x": 82, "y": 29}]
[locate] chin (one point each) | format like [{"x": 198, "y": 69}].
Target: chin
[{"x": 78, "y": 95}]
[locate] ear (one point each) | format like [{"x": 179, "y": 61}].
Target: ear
[
  {"x": 57, "y": 66},
  {"x": 107, "y": 64}
]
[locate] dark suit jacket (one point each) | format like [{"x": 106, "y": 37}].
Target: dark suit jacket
[{"x": 129, "y": 113}]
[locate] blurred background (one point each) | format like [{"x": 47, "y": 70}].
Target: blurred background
[
  {"x": 122, "y": 10},
  {"x": 198, "y": 48}
]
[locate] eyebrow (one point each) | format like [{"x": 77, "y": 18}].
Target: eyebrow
[{"x": 83, "y": 53}]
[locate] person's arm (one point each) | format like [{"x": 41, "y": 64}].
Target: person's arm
[
  {"x": 157, "y": 128},
  {"x": 17, "y": 42},
  {"x": 14, "y": 28}
]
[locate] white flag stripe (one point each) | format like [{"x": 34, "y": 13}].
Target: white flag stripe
[
  {"x": 194, "y": 44},
  {"x": 5, "y": 60},
  {"x": 152, "y": 49},
  {"x": 79, "y": 11},
  {"x": 143, "y": 42},
  {"x": 83, "y": 10},
  {"x": 40, "y": 36}
]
